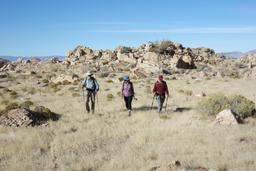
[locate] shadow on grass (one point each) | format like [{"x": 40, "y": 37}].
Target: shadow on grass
[
  {"x": 144, "y": 108},
  {"x": 148, "y": 108},
  {"x": 182, "y": 109}
]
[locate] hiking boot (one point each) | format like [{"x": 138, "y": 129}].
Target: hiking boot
[{"x": 129, "y": 112}]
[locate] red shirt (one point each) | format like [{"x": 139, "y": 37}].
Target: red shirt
[{"x": 160, "y": 88}]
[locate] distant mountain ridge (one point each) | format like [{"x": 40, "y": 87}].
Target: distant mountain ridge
[
  {"x": 14, "y": 58},
  {"x": 237, "y": 54}
]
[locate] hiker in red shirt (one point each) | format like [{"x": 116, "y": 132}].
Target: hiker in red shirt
[{"x": 160, "y": 90}]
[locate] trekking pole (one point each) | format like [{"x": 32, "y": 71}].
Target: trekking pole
[
  {"x": 166, "y": 102},
  {"x": 152, "y": 102},
  {"x": 83, "y": 99},
  {"x": 98, "y": 107}
]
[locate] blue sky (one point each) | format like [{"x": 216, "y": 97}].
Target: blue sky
[{"x": 52, "y": 27}]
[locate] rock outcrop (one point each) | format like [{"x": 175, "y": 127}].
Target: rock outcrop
[
  {"x": 3, "y": 62},
  {"x": 25, "y": 117},
  {"x": 147, "y": 58}
]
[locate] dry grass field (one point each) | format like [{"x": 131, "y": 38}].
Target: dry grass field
[{"x": 109, "y": 140}]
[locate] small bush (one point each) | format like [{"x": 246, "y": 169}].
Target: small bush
[
  {"x": 45, "y": 81},
  {"x": 109, "y": 81},
  {"x": 118, "y": 93},
  {"x": 12, "y": 106},
  {"x": 110, "y": 96},
  {"x": 13, "y": 94},
  {"x": 214, "y": 104},
  {"x": 27, "y": 104},
  {"x": 39, "y": 76},
  {"x": 46, "y": 112},
  {"x": 66, "y": 82},
  {"x": 241, "y": 106}
]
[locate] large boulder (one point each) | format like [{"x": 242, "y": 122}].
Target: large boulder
[
  {"x": 126, "y": 57},
  {"x": 226, "y": 117},
  {"x": 185, "y": 62},
  {"x": 151, "y": 57},
  {"x": 3, "y": 62}
]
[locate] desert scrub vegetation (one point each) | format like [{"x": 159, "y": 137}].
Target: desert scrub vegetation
[
  {"x": 110, "y": 97},
  {"x": 109, "y": 81},
  {"x": 186, "y": 92},
  {"x": 47, "y": 113},
  {"x": 9, "y": 106},
  {"x": 27, "y": 104},
  {"x": 215, "y": 103},
  {"x": 29, "y": 90},
  {"x": 45, "y": 81}
]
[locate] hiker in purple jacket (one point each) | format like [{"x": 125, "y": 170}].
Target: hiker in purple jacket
[{"x": 127, "y": 92}]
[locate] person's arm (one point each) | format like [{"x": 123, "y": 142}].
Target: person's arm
[
  {"x": 84, "y": 83},
  {"x": 154, "y": 89},
  {"x": 133, "y": 93},
  {"x": 97, "y": 86},
  {"x": 167, "y": 91},
  {"x": 122, "y": 89}
]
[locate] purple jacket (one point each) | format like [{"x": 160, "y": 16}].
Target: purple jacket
[{"x": 127, "y": 89}]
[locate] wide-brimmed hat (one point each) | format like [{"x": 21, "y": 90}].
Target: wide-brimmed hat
[
  {"x": 89, "y": 73},
  {"x": 126, "y": 78}
]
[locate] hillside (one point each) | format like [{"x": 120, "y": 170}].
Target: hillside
[{"x": 182, "y": 137}]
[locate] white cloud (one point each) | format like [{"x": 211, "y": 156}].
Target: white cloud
[{"x": 208, "y": 30}]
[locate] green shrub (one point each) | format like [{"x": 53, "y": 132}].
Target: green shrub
[
  {"x": 215, "y": 103},
  {"x": 110, "y": 96},
  {"x": 45, "y": 81},
  {"x": 12, "y": 106},
  {"x": 241, "y": 105},
  {"x": 13, "y": 94},
  {"x": 47, "y": 113},
  {"x": 27, "y": 104}
]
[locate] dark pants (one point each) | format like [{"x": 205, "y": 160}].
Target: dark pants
[
  {"x": 160, "y": 101},
  {"x": 90, "y": 97},
  {"x": 128, "y": 102}
]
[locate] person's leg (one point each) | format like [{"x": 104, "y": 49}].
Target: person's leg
[
  {"x": 87, "y": 102},
  {"x": 130, "y": 102},
  {"x": 158, "y": 103},
  {"x": 162, "y": 99},
  {"x": 93, "y": 101},
  {"x": 126, "y": 102}
]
